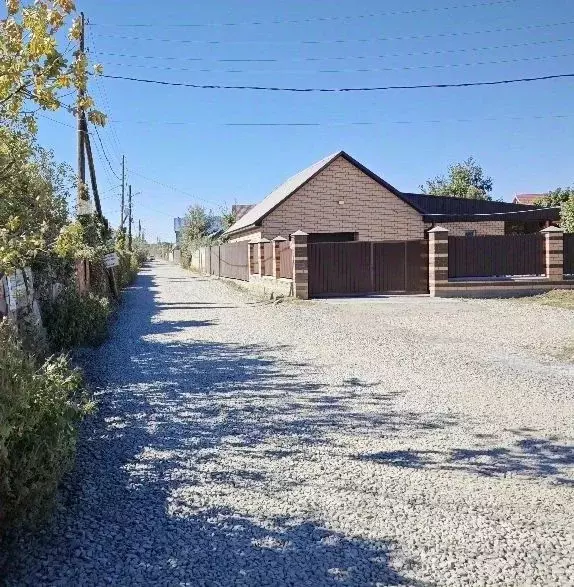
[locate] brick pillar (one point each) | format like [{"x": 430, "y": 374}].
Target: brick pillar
[
  {"x": 300, "y": 265},
  {"x": 438, "y": 259},
  {"x": 277, "y": 242},
  {"x": 261, "y": 255},
  {"x": 554, "y": 252},
  {"x": 253, "y": 258}
]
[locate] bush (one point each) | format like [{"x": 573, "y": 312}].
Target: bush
[
  {"x": 40, "y": 408},
  {"x": 128, "y": 269},
  {"x": 73, "y": 320}
]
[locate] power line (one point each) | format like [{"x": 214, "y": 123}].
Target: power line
[
  {"x": 314, "y": 19},
  {"x": 360, "y": 70},
  {"x": 336, "y": 58},
  {"x": 345, "y": 123},
  {"x": 171, "y": 187},
  {"x": 105, "y": 154},
  {"x": 341, "y": 41},
  {"x": 333, "y": 90},
  {"x": 115, "y": 142}
]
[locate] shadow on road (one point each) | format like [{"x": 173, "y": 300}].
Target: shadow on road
[{"x": 142, "y": 504}]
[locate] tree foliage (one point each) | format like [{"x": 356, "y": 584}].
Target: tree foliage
[
  {"x": 198, "y": 224},
  {"x": 35, "y": 68},
  {"x": 228, "y": 218},
  {"x": 463, "y": 180},
  {"x": 33, "y": 199},
  {"x": 563, "y": 197}
]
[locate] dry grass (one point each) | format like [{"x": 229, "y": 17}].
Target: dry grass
[{"x": 559, "y": 298}]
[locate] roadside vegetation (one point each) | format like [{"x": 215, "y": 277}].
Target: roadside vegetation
[
  {"x": 558, "y": 298},
  {"x": 42, "y": 396}
]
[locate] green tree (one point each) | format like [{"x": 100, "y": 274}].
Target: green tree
[
  {"x": 228, "y": 218},
  {"x": 34, "y": 65},
  {"x": 563, "y": 197},
  {"x": 463, "y": 180},
  {"x": 33, "y": 200},
  {"x": 198, "y": 224}
]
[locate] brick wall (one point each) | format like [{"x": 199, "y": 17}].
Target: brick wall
[
  {"x": 247, "y": 236},
  {"x": 369, "y": 209},
  {"x": 486, "y": 228}
]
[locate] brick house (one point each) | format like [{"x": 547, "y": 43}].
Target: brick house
[{"x": 338, "y": 199}]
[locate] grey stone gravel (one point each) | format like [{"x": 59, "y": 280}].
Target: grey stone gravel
[{"x": 241, "y": 443}]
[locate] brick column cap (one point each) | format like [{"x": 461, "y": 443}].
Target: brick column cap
[
  {"x": 279, "y": 239},
  {"x": 552, "y": 230},
  {"x": 437, "y": 229},
  {"x": 300, "y": 233}
]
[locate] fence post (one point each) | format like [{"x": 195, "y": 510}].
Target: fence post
[
  {"x": 277, "y": 242},
  {"x": 554, "y": 252},
  {"x": 253, "y": 258},
  {"x": 300, "y": 265},
  {"x": 438, "y": 258},
  {"x": 261, "y": 255}
]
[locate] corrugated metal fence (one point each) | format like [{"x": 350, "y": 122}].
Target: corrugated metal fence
[
  {"x": 286, "y": 260},
  {"x": 230, "y": 260},
  {"x": 496, "y": 256},
  {"x": 569, "y": 254}
]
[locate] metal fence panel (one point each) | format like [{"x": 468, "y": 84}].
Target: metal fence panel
[
  {"x": 286, "y": 260},
  {"x": 569, "y": 254},
  {"x": 268, "y": 259},
  {"x": 234, "y": 260},
  {"x": 496, "y": 256}
]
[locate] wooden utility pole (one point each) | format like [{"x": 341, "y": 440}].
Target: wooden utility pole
[
  {"x": 92, "y": 167},
  {"x": 139, "y": 230},
  {"x": 122, "y": 211},
  {"x": 82, "y": 195},
  {"x": 130, "y": 218}
]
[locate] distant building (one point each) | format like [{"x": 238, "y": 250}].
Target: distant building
[
  {"x": 177, "y": 226},
  {"x": 239, "y": 210},
  {"x": 527, "y": 199}
]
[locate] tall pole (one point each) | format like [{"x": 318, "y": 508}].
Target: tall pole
[
  {"x": 82, "y": 195},
  {"x": 92, "y": 167},
  {"x": 122, "y": 212},
  {"x": 139, "y": 230},
  {"x": 130, "y": 218}
]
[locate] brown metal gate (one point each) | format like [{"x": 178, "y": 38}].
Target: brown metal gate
[{"x": 363, "y": 267}]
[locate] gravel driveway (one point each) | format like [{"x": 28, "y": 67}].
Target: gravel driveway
[{"x": 310, "y": 444}]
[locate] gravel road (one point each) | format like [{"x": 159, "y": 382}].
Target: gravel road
[{"x": 311, "y": 444}]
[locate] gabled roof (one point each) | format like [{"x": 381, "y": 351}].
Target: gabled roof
[
  {"x": 287, "y": 189},
  {"x": 432, "y": 208},
  {"x": 279, "y": 195}
]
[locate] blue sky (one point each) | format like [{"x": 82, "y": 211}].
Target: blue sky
[{"x": 188, "y": 139}]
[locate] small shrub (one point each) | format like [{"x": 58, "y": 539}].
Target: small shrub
[
  {"x": 40, "y": 408},
  {"x": 128, "y": 268},
  {"x": 73, "y": 320}
]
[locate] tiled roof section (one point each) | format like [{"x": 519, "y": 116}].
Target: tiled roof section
[
  {"x": 240, "y": 210},
  {"x": 528, "y": 199},
  {"x": 280, "y": 194},
  {"x": 437, "y": 208}
]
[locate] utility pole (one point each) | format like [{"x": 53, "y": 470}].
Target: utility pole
[
  {"x": 130, "y": 218},
  {"x": 92, "y": 167},
  {"x": 139, "y": 230},
  {"x": 82, "y": 195},
  {"x": 122, "y": 212}
]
